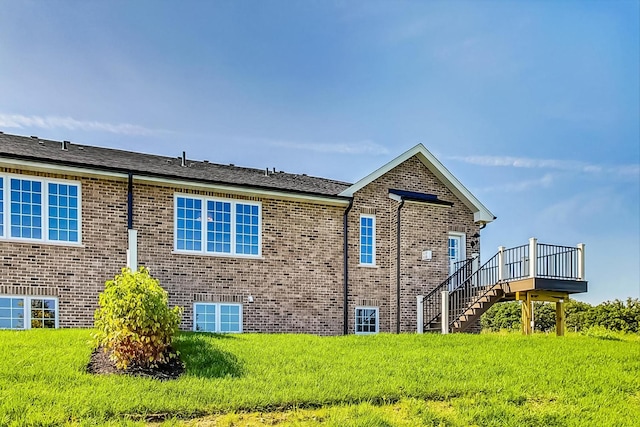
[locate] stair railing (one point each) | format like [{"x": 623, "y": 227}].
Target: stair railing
[
  {"x": 467, "y": 291},
  {"x": 433, "y": 300}
]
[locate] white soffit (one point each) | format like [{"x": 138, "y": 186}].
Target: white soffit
[{"x": 480, "y": 213}]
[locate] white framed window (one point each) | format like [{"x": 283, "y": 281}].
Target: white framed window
[
  {"x": 36, "y": 209},
  {"x": 217, "y": 226},
  {"x": 27, "y": 312},
  {"x": 367, "y": 320},
  {"x": 367, "y": 240},
  {"x": 217, "y": 317}
]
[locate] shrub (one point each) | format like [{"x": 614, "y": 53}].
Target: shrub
[
  {"x": 134, "y": 321},
  {"x": 502, "y": 316}
]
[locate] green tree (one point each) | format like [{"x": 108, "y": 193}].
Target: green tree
[{"x": 502, "y": 316}]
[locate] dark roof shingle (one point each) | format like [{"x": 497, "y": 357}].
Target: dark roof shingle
[{"x": 47, "y": 151}]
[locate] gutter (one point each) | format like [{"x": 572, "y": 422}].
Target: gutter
[
  {"x": 346, "y": 266},
  {"x": 130, "y": 203},
  {"x": 398, "y": 270}
]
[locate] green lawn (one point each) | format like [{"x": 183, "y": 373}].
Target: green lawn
[{"x": 489, "y": 379}]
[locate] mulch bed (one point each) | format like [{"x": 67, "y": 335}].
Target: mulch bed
[{"x": 100, "y": 364}]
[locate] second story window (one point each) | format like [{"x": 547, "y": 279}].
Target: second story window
[
  {"x": 217, "y": 226},
  {"x": 39, "y": 209},
  {"x": 367, "y": 240}
]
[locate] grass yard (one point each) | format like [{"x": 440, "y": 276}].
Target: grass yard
[{"x": 382, "y": 380}]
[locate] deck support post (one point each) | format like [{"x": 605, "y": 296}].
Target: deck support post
[
  {"x": 420, "y": 314},
  {"x": 527, "y": 298},
  {"x": 560, "y": 323},
  {"x": 445, "y": 312},
  {"x": 527, "y": 312}
]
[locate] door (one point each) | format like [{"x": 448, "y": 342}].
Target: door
[{"x": 457, "y": 253}]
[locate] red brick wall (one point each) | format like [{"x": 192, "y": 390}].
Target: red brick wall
[
  {"x": 296, "y": 285},
  {"x": 423, "y": 227},
  {"x": 75, "y": 274}
]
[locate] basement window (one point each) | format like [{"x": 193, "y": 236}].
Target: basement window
[
  {"x": 217, "y": 317},
  {"x": 366, "y": 320},
  {"x": 24, "y": 312}
]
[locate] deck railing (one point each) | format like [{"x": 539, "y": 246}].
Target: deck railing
[{"x": 558, "y": 262}]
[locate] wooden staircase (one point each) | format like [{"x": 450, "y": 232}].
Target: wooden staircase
[
  {"x": 472, "y": 289},
  {"x": 484, "y": 301}
]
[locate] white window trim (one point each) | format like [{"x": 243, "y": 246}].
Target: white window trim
[
  {"x": 6, "y": 205},
  {"x": 355, "y": 318},
  {"x": 463, "y": 242},
  {"x": 373, "y": 239},
  {"x": 203, "y": 228},
  {"x": 27, "y": 309},
  {"x": 218, "y": 314}
]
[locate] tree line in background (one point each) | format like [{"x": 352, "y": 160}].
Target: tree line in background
[{"x": 623, "y": 316}]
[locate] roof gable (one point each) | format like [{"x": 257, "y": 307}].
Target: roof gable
[{"x": 480, "y": 212}]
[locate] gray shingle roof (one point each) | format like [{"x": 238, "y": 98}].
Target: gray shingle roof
[{"x": 86, "y": 156}]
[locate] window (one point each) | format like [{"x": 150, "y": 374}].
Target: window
[
  {"x": 63, "y": 212},
  {"x": 366, "y": 320},
  {"x": 367, "y": 240},
  {"x": 38, "y": 209},
  {"x": 217, "y": 317},
  {"x": 232, "y": 227},
  {"x": 28, "y": 312}
]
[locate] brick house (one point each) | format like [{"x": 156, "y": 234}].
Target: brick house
[{"x": 241, "y": 249}]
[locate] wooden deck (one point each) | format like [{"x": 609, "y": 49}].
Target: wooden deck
[{"x": 543, "y": 284}]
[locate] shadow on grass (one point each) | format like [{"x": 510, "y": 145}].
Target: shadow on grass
[{"x": 203, "y": 359}]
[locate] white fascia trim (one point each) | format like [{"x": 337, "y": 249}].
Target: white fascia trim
[
  {"x": 480, "y": 213},
  {"x": 280, "y": 195},
  {"x": 53, "y": 168}
]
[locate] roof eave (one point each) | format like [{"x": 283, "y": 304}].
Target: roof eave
[{"x": 73, "y": 167}]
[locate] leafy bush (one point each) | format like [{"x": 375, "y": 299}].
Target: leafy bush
[
  {"x": 502, "y": 316},
  {"x": 134, "y": 320},
  {"x": 611, "y": 315}
]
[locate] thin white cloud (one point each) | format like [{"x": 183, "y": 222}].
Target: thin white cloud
[
  {"x": 364, "y": 147},
  {"x": 55, "y": 122},
  {"x": 516, "y": 187},
  {"x": 627, "y": 171}
]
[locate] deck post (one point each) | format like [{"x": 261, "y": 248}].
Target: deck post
[
  {"x": 581, "y": 261},
  {"x": 560, "y": 323},
  {"x": 501, "y": 263},
  {"x": 533, "y": 256},
  {"x": 527, "y": 311},
  {"x": 445, "y": 312},
  {"x": 420, "y": 314}
]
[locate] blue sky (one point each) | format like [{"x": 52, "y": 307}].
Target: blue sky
[{"x": 534, "y": 106}]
